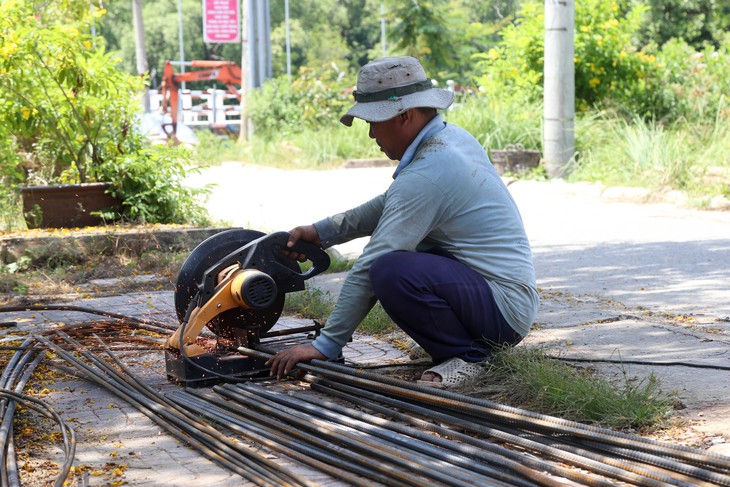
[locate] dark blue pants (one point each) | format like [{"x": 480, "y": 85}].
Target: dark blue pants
[{"x": 445, "y": 306}]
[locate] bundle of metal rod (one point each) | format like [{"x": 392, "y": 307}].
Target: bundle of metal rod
[
  {"x": 150, "y": 325},
  {"x": 604, "y": 452},
  {"x": 405, "y": 448},
  {"x": 12, "y": 382},
  {"x": 324, "y": 456},
  {"x": 15, "y": 376},
  {"x": 177, "y": 421},
  {"x": 342, "y": 445}
]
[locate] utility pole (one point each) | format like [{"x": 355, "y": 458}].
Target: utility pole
[
  {"x": 180, "y": 39},
  {"x": 255, "y": 52},
  {"x": 245, "y": 79},
  {"x": 288, "y": 40},
  {"x": 140, "y": 47},
  {"x": 559, "y": 87},
  {"x": 382, "y": 27}
]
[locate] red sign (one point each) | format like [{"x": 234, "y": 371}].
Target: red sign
[{"x": 221, "y": 21}]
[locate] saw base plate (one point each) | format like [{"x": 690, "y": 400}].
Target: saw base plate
[{"x": 207, "y": 368}]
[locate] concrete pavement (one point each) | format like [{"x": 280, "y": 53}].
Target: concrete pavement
[{"x": 620, "y": 279}]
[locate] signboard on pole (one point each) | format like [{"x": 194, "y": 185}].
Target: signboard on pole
[{"x": 221, "y": 21}]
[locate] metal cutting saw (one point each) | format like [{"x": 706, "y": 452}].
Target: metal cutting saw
[{"x": 234, "y": 284}]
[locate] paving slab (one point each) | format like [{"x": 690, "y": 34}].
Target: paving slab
[{"x": 118, "y": 443}]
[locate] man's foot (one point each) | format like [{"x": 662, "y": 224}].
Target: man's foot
[
  {"x": 454, "y": 372},
  {"x": 416, "y": 352}
]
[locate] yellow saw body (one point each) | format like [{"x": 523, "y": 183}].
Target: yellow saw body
[{"x": 233, "y": 284}]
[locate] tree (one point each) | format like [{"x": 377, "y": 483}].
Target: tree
[
  {"x": 610, "y": 68},
  {"x": 422, "y": 29},
  {"x": 70, "y": 116},
  {"x": 697, "y": 22}
]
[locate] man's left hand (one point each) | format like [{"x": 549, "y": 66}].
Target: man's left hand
[{"x": 283, "y": 362}]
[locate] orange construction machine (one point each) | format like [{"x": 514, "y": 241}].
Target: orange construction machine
[{"x": 228, "y": 73}]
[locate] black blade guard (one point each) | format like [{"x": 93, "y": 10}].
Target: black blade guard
[{"x": 208, "y": 253}]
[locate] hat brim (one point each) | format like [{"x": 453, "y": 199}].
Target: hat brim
[{"x": 380, "y": 111}]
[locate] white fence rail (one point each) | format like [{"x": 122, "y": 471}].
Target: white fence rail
[{"x": 210, "y": 108}]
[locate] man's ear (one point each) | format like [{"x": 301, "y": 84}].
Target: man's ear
[{"x": 407, "y": 115}]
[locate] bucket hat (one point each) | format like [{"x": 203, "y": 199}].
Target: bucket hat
[{"x": 390, "y": 86}]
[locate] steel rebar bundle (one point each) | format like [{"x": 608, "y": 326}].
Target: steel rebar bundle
[
  {"x": 605, "y": 453},
  {"x": 177, "y": 421},
  {"x": 356, "y": 426},
  {"x": 16, "y": 374}
]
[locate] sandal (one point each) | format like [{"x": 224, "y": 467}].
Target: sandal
[
  {"x": 454, "y": 372},
  {"x": 416, "y": 352}
]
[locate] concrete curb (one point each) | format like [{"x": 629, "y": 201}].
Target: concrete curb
[{"x": 74, "y": 246}]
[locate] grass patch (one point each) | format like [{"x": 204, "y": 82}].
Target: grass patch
[
  {"x": 317, "y": 305},
  {"x": 499, "y": 125},
  {"x": 688, "y": 157},
  {"x": 377, "y": 321},
  {"x": 311, "y": 303},
  {"x": 321, "y": 149},
  {"x": 525, "y": 376},
  {"x": 337, "y": 264}
]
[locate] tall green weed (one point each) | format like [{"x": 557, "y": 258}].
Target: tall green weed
[
  {"x": 313, "y": 100},
  {"x": 684, "y": 156},
  {"x": 498, "y": 124}
]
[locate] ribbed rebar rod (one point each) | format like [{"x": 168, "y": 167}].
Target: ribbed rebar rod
[
  {"x": 12, "y": 382},
  {"x": 435, "y": 471},
  {"x": 623, "y": 455},
  {"x": 305, "y": 453},
  {"x": 445, "y": 439},
  {"x": 400, "y": 435},
  {"x": 645, "y": 457},
  {"x": 69, "y": 437},
  {"x": 12, "y": 475},
  {"x": 482, "y": 449},
  {"x": 481, "y": 407},
  {"x": 131, "y": 378},
  {"x": 636, "y": 461},
  {"x": 220, "y": 450},
  {"x": 556, "y": 453},
  {"x": 266, "y": 468},
  {"x": 363, "y": 465},
  {"x": 182, "y": 434},
  {"x": 150, "y": 325},
  {"x": 504, "y": 434},
  {"x": 13, "y": 378}
]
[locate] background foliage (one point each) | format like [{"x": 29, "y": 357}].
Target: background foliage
[
  {"x": 651, "y": 84},
  {"x": 70, "y": 116}
]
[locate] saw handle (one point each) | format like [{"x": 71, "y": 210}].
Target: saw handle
[{"x": 319, "y": 258}]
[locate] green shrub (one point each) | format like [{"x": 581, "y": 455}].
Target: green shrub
[
  {"x": 66, "y": 109},
  {"x": 683, "y": 155},
  {"x": 498, "y": 123},
  {"x": 150, "y": 183},
  {"x": 609, "y": 69},
  {"x": 67, "y": 115},
  {"x": 312, "y": 100},
  {"x": 696, "y": 84}
]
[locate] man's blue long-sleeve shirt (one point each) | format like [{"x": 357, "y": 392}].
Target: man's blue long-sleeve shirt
[{"x": 445, "y": 193}]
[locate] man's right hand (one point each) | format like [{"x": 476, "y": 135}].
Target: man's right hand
[
  {"x": 284, "y": 361},
  {"x": 304, "y": 232}
]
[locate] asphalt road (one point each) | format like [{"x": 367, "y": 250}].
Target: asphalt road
[{"x": 583, "y": 243}]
